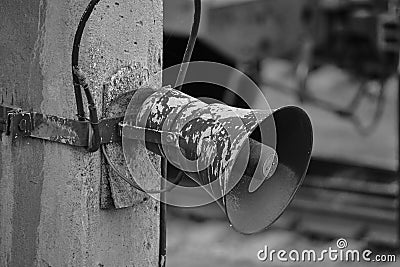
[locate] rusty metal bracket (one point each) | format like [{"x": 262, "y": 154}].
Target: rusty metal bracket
[
  {"x": 150, "y": 135},
  {"x": 17, "y": 123},
  {"x": 4, "y": 111}
]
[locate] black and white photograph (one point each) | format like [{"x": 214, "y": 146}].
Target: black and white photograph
[{"x": 199, "y": 133}]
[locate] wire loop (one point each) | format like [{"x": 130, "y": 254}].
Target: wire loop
[{"x": 79, "y": 81}]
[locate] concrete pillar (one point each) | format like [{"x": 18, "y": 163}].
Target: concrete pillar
[{"x": 49, "y": 193}]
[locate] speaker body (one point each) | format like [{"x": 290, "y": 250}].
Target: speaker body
[{"x": 251, "y": 161}]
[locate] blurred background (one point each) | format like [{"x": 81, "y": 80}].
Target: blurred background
[{"x": 337, "y": 59}]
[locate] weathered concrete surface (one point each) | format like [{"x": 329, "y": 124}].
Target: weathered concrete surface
[
  {"x": 49, "y": 193},
  {"x": 116, "y": 192}
]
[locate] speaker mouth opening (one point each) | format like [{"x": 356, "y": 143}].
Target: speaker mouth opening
[{"x": 252, "y": 212}]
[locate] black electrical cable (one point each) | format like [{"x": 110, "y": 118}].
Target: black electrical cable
[
  {"x": 190, "y": 45},
  {"x": 75, "y": 58},
  {"x": 184, "y": 65},
  {"x": 80, "y": 80},
  {"x": 94, "y": 138}
]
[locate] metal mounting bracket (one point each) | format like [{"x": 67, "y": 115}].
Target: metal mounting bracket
[{"x": 17, "y": 123}]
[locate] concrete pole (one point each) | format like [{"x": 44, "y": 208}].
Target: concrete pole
[{"x": 49, "y": 193}]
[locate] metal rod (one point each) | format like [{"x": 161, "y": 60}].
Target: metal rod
[
  {"x": 394, "y": 6},
  {"x": 163, "y": 215},
  {"x": 398, "y": 152}
]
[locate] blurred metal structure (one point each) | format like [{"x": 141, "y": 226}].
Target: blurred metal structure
[
  {"x": 358, "y": 36},
  {"x": 341, "y": 199},
  {"x": 363, "y": 39},
  {"x": 244, "y": 30}
]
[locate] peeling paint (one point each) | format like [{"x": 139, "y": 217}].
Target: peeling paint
[{"x": 213, "y": 135}]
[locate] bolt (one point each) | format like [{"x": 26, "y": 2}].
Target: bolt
[
  {"x": 170, "y": 138},
  {"x": 22, "y": 125},
  {"x": 270, "y": 165}
]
